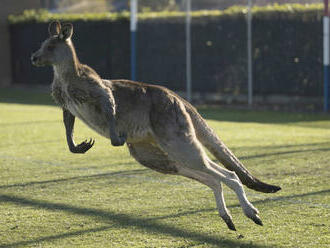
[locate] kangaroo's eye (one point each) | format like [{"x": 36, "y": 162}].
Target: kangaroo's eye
[{"x": 50, "y": 48}]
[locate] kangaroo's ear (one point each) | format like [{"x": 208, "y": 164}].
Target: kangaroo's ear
[
  {"x": 54, "y": 28},
  {"x": 66, "y": 31}
]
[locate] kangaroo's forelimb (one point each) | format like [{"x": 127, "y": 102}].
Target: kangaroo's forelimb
[
  {"x": 108, "y": 106},
  {"x": 83, "y": 147}
]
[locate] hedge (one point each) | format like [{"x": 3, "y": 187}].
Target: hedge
[
  {"x": 287, "y": 47},
  {"x": 295, "y": 11}
]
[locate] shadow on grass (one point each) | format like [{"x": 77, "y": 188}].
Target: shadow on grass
[
  {"x": 278, "y": 150},
  {"x": 272, "y": 147},
  {"x": 88, "y": 177},
  {"x": 145, "y": 224},
  {"x": 123, "y": 220},
  {"x": 290, "y": 197},
  {"x": 55, "y": 237},
  {"x": 284, "y": 153}
]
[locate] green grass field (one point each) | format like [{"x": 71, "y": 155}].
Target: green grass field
[{"x": 52, "y": 198}]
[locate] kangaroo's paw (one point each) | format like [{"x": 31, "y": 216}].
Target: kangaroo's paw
[
  {"x": 119, "y": 140},
  {"x": 251, "y": 212}
]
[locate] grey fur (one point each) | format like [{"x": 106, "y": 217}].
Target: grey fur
[{"x": 162, "y": 131}]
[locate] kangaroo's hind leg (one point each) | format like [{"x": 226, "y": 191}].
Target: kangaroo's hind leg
[
  {"x": 190, "y": 157},
  {"x": 151, "y": 156},
  {"x": 216, "y": 187},
  {"x": 212, "y": 142},
  {"x": 249, "y": 210},
  {"x": 176, "y": 136}
]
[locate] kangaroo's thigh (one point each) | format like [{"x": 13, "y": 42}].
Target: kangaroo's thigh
[
  {"x": 170, "y": 120},
  {"x": 174, "y": 133},
  {"x": 151, "y": 156}
]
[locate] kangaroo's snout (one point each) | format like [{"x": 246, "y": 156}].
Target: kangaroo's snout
[
  {"x": 38, "y": 59},
  {"x": 35, "y": 59}
]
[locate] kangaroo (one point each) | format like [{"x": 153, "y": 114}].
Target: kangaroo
[{"x": 161, "y": 130}]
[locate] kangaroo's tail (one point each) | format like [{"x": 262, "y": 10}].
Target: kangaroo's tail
[{"x": 212, "y": 142}]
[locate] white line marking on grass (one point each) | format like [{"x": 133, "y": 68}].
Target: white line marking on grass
[
  {"x": 29, "y": 122},
  {"x": 32, "y": 143},
  {"x": 40, "y": 162}
]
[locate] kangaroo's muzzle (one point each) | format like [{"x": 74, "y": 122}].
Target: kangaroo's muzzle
[{"x": 36, "y": 60}]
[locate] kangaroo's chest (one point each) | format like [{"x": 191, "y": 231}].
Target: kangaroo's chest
[
  {"x": 82, "y": 105},
  {"x": 69, "y": 97}
]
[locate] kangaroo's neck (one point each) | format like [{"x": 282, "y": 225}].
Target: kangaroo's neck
[{"x": 69, "y": 68}]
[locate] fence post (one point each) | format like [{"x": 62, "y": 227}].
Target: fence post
[
  {"x": 188, "y": 49},
  {"x": 326, "y": 55},
  {"x": 249, "y": 54},
  {"x": 133, "y": 27}
]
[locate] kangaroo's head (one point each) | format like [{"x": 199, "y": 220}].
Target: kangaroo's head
[{"x": 57, "y": 48}]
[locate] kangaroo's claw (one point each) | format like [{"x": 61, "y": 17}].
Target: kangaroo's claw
[
  {"x": 231, "y": 225},
  {"x": 83, "y": 146},
  {"x": 257, "y": 220}
]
